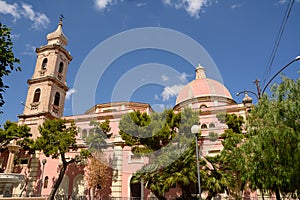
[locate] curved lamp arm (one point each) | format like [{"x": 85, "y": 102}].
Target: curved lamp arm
[
  {"x": 294, "y": 60},
  {"x": 247, "y": 91}
]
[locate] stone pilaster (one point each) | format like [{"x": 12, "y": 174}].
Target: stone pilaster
[
  {"x": 33, "y": 176},
  {"x": 116, "y": 188}
]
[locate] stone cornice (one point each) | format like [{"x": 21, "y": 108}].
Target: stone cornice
[
  {"x": 53, "y": 47},
  {"x": 47, "y": 115},
  {"x": 48, "y": 78},
  {"x": 203, "y": 100}
]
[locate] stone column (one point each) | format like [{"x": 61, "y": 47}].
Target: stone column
[
  {"x": 116, "y": 188},
  {"x": 13, "y": 148}
]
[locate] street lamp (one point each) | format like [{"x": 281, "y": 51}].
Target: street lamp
[
  {"x": 294, "y": 60},
  {"x": 44, "y": 161},
  {"x": 195, "y": 129}
]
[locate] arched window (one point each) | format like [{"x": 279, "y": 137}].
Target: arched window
[
  {"x": 203, "y": 106},
  {"x": 44, "y": 64},
  {"x": 84, "y": 133},
  {"x": 203, "y": 126},
  {"x": 56, "y": 99},
  {"x": 46, "y": 182},
  {"x": 37, "y": 94},
  {"x": 212, "y": 125},
  {"x": 61, "y": 67}
]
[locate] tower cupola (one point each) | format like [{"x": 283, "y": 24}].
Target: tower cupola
[{"x": 58, "y": 37}]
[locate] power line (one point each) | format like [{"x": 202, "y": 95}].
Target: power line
[{"x": 276, "y": 45}]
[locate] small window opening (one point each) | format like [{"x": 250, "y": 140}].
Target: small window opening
[
  {"x": 37, "y": 94},
  {"x": 61, "y": 67},
  {"x": 56, "y": 99},
  {"x": 46, "y": 182},
  {"x": 44, "y": 64},
  {"x": 84, "y": 133},
  {"x": 203, "y": 126},
  {"x": 212, "y": 125}
]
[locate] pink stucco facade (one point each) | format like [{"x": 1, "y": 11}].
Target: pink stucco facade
[{"x": 207, "y": 95}]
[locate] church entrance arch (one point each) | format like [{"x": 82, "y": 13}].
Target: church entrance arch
[{"x": 135, "y": 190}]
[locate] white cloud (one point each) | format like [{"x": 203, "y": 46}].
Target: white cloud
[
  {"x": 168, "y": 2},
  {"x": 102, "y": 4},
  {"x": 236, "y": 6},
  {"x": 164, "y": 78},
  {"x": 171, "y": 91},
  {"x": 38, "y": 19},
  {"x": 29, "y": 50},
  {"x": 15, "y": 36},
  {"x": 281, "y": 2},
  {"x": 70, "y": 92},
  {"x": 158, "y": 107},
  {"x": 156, "y": 97},
  {"x": 26, "y": 11},
  {"x": 11, "y": 9},
  {"x": 140, "y": 4},
  {"x": 193, "y": 7},
  {"x": 183, "y": 77}
]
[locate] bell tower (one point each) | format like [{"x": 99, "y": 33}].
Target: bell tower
[{"x": 47, "y": 88}]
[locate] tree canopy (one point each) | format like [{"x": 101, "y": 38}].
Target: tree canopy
[
  {"x": 167, "y": 140},
  {"x": 98, "y": 134},
  {"x": 273, "y": 150},
  {"x": 223, "y": 172},
  {"x": 55, "y": 141},
  {"x": 12, "y": 131},
  {"x": 7, "y": 59},
  {"x": 98, "y": 172}
]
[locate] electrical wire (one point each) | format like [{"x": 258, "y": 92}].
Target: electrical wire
[{"x": 276, "y": 45}]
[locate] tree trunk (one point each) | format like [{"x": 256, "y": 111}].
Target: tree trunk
[
  {"x": 186, "y": 192},
  {"x": 160, "y": 197},
  {"x": 60, "y": 177},
  {"x": 262, "y": 194},
  {"x": 58, "y": 181},
  {"x": 277, "y": 193}
]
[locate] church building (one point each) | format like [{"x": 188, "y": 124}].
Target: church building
[{"x": 45, "y": 100}]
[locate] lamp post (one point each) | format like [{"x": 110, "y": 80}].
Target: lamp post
[
  {"x": 44, "y": 161},
  {"x": 294, "y": 60},
  {"x": 195, "y": 129}
]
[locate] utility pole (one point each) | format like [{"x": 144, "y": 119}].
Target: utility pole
[{"x": 257, "y": 87}]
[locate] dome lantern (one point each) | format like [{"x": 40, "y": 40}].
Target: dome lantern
[{"x": 200, "y": 72}]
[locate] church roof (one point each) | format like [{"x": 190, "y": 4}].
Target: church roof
[{"x": 202, "y": 87}]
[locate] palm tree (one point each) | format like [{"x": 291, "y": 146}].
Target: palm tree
[
  {"x": 163, "y": 174},
  {"x": 215, "y": 179}
]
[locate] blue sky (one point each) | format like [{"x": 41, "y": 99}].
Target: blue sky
[{"x": 238, "y": 35}]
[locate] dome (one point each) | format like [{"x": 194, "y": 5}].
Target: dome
[{"x": 202, "y": 87}]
